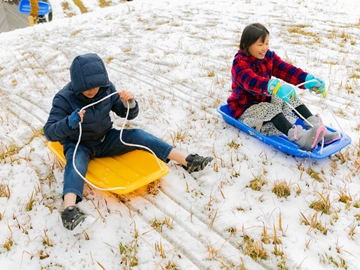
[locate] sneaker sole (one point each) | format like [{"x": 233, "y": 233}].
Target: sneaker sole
[
  {"x": 207, "y": 164},
  {"x": 333, "y": 140},
  {"x": 84, "y": 225}
]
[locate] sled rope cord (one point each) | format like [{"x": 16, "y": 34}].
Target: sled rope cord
[
  {"x": 322, "y": 141},
  {"x": 121, "y": 131}
]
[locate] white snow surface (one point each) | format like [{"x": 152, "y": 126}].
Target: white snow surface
[{"x": 175, "y": 57}]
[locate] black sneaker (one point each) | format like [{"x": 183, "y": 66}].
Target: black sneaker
[
  {"x": 71, "y": 217},
  {"x": 196, "y": 163}
]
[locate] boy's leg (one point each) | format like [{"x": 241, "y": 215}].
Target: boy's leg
[
  {"x": 69, "y": 199},
  {"x": 192, "y": 162},
  {"x": 177, "y": 156},
  {"x": 73, "y": 183},
  {"x": 113, "y": 146}
]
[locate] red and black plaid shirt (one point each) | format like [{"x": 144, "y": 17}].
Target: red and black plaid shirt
[{"x": 250, "y": 77}]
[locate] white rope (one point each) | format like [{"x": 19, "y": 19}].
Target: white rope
[
  {"x": 302, "y": 117},
  {"x": 333, "y": 115},
  {"x": 328, "y": 107},
  {"x": 121, "y": 131}
]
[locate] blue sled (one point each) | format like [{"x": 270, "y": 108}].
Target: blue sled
[
  {"x": 282, "y": 143},
  {"x": 25, "y": 7}
]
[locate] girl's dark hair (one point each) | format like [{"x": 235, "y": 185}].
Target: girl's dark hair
[{"x": 251, "y": 34}]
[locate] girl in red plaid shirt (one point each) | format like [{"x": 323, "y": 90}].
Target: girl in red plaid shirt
[{"x": 259, "y": 100}]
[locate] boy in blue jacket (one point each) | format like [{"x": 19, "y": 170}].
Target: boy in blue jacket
[{"x": 90, "y": 83}]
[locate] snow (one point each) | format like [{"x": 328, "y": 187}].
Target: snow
[{"x": 175, "y": 57}]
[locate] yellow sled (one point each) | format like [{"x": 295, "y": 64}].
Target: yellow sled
[{"x": 130, "y": 171}]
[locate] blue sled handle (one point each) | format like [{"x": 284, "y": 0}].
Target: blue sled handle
[{"x": 25, "y": 7}]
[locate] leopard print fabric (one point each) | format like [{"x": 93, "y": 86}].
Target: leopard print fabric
[{"x": 265, "y": 111}]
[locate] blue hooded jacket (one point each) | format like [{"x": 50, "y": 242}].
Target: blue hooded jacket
[{"x": 87, "y": 72}]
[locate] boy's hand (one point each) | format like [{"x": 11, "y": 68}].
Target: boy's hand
[
  {"x": 76, "y": 117},
  {"x": 125, "y": 95},
  {"x": 127, "y": 99}
]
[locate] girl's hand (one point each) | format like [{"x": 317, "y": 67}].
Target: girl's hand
[
  {"x": 282, "y": 90},
  {"x": 316, "y": 85}
]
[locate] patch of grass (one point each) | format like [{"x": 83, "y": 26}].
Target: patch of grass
[
  {"x": 10, "y": 151},
  {"x": 128, "y": 253},
  {"x": 354, "y": 76},
  {"x": 322, "y": 205},
  {"x": 300, "y": 31},
  {"x": 211, "y": 73},
  {"x": 14, "y": 82},
  {"x": 65, "y": 5},
  {"x": 153, "y": 188},
  {"x": 5, "y": 191},
  {"x": 326, "y": 260},
  {"x": 314, "y": 175},
  {"x": 8, "y": 243},
  {"x": 254, "y": 249},
  {"x": 74, "y": 33},
  {"x": 109, "y": 59},
  {"x": 178, "y": 136},
  {"x": 66, "y": 8},
  {"x": 46, "y": 240},
  {"x": 265, "y": 238},
  {"x": 29, "y": 206},
  {"x": 158, "y": 224},
  {"x": 343, "y": 197},
  {"x": 81, "y": 6},
  {"x": 257, "y": 183},
  {"x": 104, "y": 3},
  {"x": 356, "y": 203},
  {"x": 313, "y": 222},
  {"x": 233, "y": 144},
  {"x": 281, "y": 189},
  {"x": 233, "y": 230},
  {"x": 43, "y": 255}
]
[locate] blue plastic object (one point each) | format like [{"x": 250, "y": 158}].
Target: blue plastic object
[
  {"x": 25, "y": 7},
  {"x": 282, "y": 143}
]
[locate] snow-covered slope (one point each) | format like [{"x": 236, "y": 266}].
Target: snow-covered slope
[{"x": 175, "y": 56}]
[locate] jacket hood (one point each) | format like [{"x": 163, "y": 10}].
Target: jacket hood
[{"x": 87, "y": 72}]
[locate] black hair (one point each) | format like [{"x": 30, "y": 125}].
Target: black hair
[{"x": 251, "y": 34}]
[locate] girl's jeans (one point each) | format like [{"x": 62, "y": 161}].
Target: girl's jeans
[{"x": 111, "y": 146}]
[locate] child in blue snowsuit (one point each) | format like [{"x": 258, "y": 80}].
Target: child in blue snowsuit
[{"x": 90, "y": 83}]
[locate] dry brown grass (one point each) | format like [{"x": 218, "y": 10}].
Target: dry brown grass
[
  {"x": 81, "y": 6},
  {"x": 281, "y": 189},
  {"x": 104, "y": 3},
  {"x": 257, "y": 183},
  {"x": 253, "y": 248},
  {"x": 322, "y": 205}
]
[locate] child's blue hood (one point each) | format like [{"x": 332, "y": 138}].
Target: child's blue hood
[{"x": 87, "y": 72}]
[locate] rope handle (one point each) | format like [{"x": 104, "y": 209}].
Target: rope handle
[
  {"x": 327, "y": 105},
  {"x": 120, "y": 137},
  {"x": 302, "y": 117}
]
